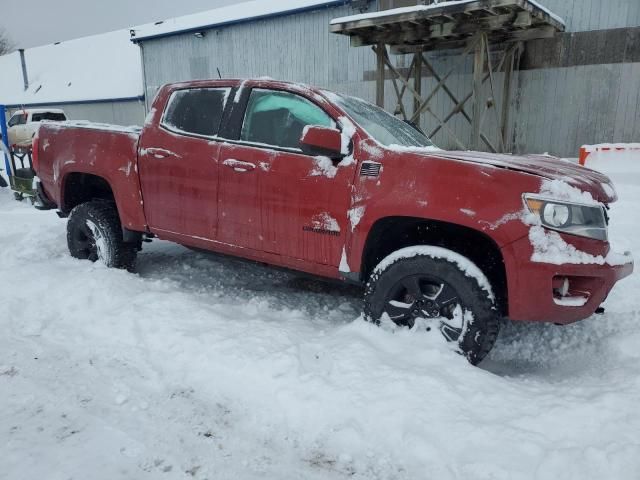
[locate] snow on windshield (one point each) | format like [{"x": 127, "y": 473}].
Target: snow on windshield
[{"x": 379, "y": 124}]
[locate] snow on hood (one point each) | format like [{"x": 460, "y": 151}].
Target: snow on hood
[{"x": 551, "y": 168}]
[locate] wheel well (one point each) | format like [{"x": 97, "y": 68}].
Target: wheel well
[
  {"x": 393, "y": 233},
  {"x": 84, "y": 187}
]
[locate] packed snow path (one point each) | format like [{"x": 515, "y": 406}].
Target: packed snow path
[{"x": 201, "y": 366}]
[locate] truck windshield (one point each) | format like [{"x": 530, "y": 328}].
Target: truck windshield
[{"x": 381, "y": 125}]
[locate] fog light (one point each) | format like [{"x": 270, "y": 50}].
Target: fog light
[{"x": 560, "y": 286}]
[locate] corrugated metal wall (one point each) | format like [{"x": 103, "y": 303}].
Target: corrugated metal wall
[
  {"x": 581, "y": 15},
  {"x": 563, "y": 108},
  {"x": 556, "y": 109},
  {"x": 297, "y": 48}
]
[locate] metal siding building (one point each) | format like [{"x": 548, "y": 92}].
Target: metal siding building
[
  {"x": 294, "y": 47},
  {"x": 591, "y": 101},
  {"x": 581, "y": 87},
  {"x": 96, "y": 78}
]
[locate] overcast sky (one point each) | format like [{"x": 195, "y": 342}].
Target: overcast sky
[{"x": 37, "y": 22}]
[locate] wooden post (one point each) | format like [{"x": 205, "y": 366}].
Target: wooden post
[
  {"x": 508, "y": 132},
  {"x": 478, "y": 74},
  {"x": 380, "y": 51},
  {"x": 506, "y": 98},
  {"x": 417, "y": 83}
]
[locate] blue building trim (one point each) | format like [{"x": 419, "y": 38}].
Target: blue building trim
[
  {"x": 139, "y": 98},
  {"x": 334, "y": 3},
  {"x": 5, "y": 139}
]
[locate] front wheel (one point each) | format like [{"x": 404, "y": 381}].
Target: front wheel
[
  {"x": 433, "y": 283},
  {"x": 94, "y": 233}
]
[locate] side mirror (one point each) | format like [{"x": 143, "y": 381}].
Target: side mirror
[{"x": 324, "y": 141}]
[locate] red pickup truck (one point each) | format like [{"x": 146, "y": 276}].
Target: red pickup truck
[{"x": 331, "y": 185}]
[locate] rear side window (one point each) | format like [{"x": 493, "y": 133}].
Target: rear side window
[
  {"x": 278, "y": 118},
  {"x": 51, "y": 116},
  {"x": 197, "y": 111},
  {"x": 19, "y": 119}
]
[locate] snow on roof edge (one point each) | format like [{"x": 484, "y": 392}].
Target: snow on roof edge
[
  {"x": 97, "y": 68},
  {"x": 228, "y": 15},
  {"x": 421, "y": 8}
]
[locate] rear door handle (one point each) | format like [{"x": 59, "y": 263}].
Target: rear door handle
[{"x": 239, "y": 166}]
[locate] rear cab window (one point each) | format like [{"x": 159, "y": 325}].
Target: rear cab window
[
  {"x": 51, "y": 116},
  {"x": 196, "y": 111},
  {"x": 278, "y": 118}
]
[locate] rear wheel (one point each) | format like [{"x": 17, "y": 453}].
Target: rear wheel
[
  {"x": 442, "y": 287},
  {"x": 94, "y": 233}
]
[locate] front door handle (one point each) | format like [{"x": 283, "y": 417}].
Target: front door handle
[
  {"x": 160, "y": 152},
  {"x": 239, "y": 166}
]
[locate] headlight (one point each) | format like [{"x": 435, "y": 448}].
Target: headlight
[
  {"x": 572, "y": 218},
  {"x": 556, "y": 215}
]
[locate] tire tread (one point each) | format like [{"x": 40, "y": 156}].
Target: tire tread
[
  {"x": 105, "y": 215},
  {"x": 487, "y": 320}
]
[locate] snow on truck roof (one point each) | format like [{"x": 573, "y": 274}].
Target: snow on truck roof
[
  {"x": 227, "y": 15},
  {"x": 95, "y": 68}
]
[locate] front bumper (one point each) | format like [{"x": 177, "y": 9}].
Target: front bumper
[{"x": 531, "y": 285}]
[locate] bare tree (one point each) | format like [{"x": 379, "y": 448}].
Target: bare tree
[{"x": 6, "y": 45}]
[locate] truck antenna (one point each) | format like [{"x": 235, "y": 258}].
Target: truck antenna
[{"x": 219, "y": 76}]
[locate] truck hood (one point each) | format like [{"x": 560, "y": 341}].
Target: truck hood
[{"x": 552, "y": 168}]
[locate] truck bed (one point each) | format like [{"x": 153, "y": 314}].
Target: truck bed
[{"x": 92, "y": 149}]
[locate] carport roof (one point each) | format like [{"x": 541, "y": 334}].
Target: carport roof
[
  {"x": 228, "y": 15},
  {"x": 450, "y": 24}
]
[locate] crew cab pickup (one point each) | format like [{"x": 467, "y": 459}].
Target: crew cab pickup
[{"x": 327, "y": 184}]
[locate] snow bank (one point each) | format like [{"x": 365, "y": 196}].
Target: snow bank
[
  {"x": 620, "y": 161},
  {"x": 201, "y": 366}
]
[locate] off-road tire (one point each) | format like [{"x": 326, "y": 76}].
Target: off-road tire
[
  {"x": 99, "y": 218},
  {"x": 477, "y": 337}
]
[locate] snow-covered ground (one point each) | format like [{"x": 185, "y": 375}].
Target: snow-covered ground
[{"x": 207, "y": 367}]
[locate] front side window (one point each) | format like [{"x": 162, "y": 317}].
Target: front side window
[
  {"x": 18, "y": 119},
  {"x": 197, "y": 111},
  {"x": 278, "y": 118}
]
